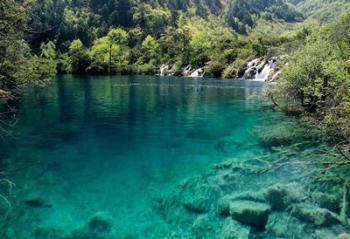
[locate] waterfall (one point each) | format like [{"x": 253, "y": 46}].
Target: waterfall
[
  {"x": 265, "y": 72},
  {"x": 251, "y": 69},
  {"x": 187, "y": 70},
  {"x": 259, "y": 70},
  {"x": 197, "y": 73},
  {"x": 253, "y": 63},
  {"x": 162, "y": 69}
]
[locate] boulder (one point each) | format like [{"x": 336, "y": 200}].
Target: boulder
[
  {"x": 45, "y": 233},
  {"x": 328, "y": 201},
  {"x": 281, "y": 225},
  {"x": 100, "y": 222},
  {"x": 281, "y": 196},
  {"x": 203, "y": 226},
  {"x": 223, "y": 207},
  {"x": 323, "y": 234},
  {"x": 198, "y": 195},
  {"x": 234, "y": 230},
  {"x": 100, "y": 226},
  {"x": 5, "y": 206},
  {"x": 317, "y": 216},
  {"x": 343, "y": 236},
  {"x": 251, "y": 213}
]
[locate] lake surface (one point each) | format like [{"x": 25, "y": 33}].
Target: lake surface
[{"x": 92, "y": 144}]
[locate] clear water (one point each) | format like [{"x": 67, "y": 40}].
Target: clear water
[{"x": 87, "y": 144}]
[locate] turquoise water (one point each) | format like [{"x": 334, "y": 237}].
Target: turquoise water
[{"x": 90, "y": 144}]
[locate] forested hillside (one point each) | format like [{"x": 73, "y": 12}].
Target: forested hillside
[
  {"x": 63, "y": 20},
  {"x": 324, "y": 10},
  {"x": 132, "y": 36}
]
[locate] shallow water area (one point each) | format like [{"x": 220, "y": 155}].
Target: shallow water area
[{"x": 88, "y": 145}]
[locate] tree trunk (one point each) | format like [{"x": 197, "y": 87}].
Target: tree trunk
[
  {"x": 110, "y": 59},
  {"x": 302, "y": 98}
]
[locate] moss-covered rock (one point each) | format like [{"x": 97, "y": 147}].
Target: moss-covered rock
[
  {"x": 223, "y": 205},
  {"x": 328, "y": 201},
  {"x": 234, "y": 230},
  {"x": 250, "y": 213},
  {"x": 314, "y": 215},
  {"x": 100, "y": 226},
  {"x": 285, "y": 133},
  {"x": 281, "y": 196},
  {"x": 282, "y": 225},
  {"x": 204, "y": 226},
  {"x": 48, "y": 233},
  {"x": 343, "y": 236},
  {"x": 198, "y": 195}
]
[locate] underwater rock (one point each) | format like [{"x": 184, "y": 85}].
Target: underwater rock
[
  {"x": 197, "y": 205},
  {"x": 223, "y": 207},
  {"x": 281, "y": 225},
  {"x": 317, "y": 216},
  {"x": 343, "y": 236},
  {"x": 48, "y": 233},
  {"x": 251, "y": 213},
  {"x": 202, "y": 226},
  {"x": 328, "y": 201},
  {"x": 234, "y": 230},
  {"x": 323, "y": 234},
  {"x": 286, "y": 133},
  {"x": 198, "y": 196},
  {"x": 100, "y": 226},
  {"x": 37, "y": 203},
  {"x": 281, "y": 196},
  {"x": 5, "y": 207},
  {"x": 223, "y": 165},
  {"x": 100, "y": 223},
  {"x": 248, "y": 196}
]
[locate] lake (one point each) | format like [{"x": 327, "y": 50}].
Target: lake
[{"x": 86, "y": 145}]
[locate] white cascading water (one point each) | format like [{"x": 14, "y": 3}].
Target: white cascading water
[
  {"x": 251, "y": 68},
  {"x": 253, "y": 63},
  {"x": 259, "y": 70},
  {"x": 264, "y": 74},
  {"x": 162, "y": 69},
  {"x": 197, "y": 73},
  {"x": 186, "y": 71}
]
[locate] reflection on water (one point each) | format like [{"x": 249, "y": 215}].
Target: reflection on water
[{"x": 88, "y": 144}]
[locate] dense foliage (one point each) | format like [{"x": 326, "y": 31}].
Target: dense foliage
[
  {"x": 324, "y": 10},
  {"x": 172, "y": 32},
  {"x": 318, "y": 75},
  {"x": 18, "y": 66}
]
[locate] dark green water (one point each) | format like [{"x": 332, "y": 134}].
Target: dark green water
[{"x": 89, "y": 144}]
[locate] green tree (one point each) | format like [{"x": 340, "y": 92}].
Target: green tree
[
  {"x": 48, "y": 50},
  {"x": 116, "y": 38},
  {"x": 150, "y": 50},
  {"x": 18, "y": 67},
  {"x": 317, "y": 76},
  {"x": 109, "y": 51},
  {"x": 79, "y": 56}
]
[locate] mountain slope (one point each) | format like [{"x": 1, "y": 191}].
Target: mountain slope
[
  {"x": 324, "y": 10},
  {"x": 65, "y": 20}
]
